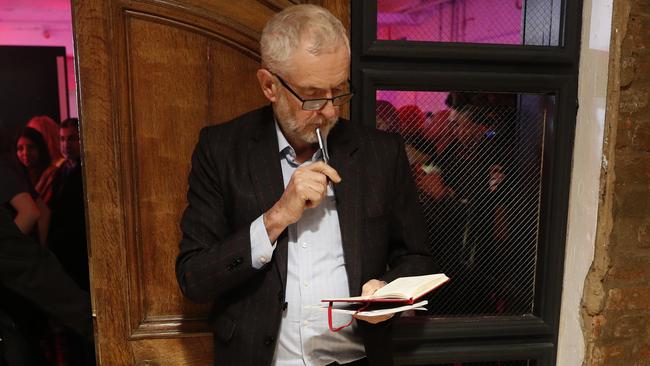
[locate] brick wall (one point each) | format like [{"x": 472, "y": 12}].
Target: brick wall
[{"x": 616, "y": 302}]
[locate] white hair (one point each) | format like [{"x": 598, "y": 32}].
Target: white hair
[{"x": 283, "y": 34}]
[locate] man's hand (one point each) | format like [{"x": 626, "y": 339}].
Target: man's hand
[
  {"x": 368, "y": 289},
  {"x": 306, "y": 189}
]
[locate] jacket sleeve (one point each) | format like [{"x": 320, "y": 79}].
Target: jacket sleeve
[
  {"x": 213, "y": 257},
  {"x": 409, "y": 253}
]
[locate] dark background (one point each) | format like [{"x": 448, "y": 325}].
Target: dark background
[{"x": 28, "y": 87}]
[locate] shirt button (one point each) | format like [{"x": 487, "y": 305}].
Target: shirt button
[
  {"x": 306, "y": 322},
  {"x": 263, "y": 259},
  {"x": 306, "y": 284},
  {"x": 304, "y": 245}
]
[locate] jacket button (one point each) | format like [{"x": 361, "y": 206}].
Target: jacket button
[
  {"x": 269, "y": 341},
  {"x": 229, "y": 267},
  {"x": 239, "y": 260}
]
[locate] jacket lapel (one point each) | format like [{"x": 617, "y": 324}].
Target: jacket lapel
[
  {"x": 266, "y": 175},
  {"x": 342, "y": 146}
]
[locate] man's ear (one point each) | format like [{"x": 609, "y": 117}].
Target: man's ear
[{"x": 265, "y": 78}]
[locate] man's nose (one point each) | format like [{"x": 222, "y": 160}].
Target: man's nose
[{"x": 328, "y": 110}]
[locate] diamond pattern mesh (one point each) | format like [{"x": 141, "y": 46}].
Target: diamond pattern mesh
[
  {"x": 529, "y": 22},
  {"x": 476, "y": 160}
]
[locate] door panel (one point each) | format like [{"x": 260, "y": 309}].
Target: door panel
[
  {"x": 189, "y": 351},
  {"x": 152, "y": 74}
]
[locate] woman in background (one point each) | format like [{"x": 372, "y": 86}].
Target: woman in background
[
  {"x": 50, "y": 132},
  {"x": 33, "y": 154}
]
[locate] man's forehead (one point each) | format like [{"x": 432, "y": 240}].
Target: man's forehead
[
  {"x": 306, "y": 85},
  {"x": 326, "y": 70},
  {"x": 307, "y": 79}
]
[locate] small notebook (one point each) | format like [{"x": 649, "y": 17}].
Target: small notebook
[
  {"x": 404, "y": 289},
  {"x": 380, "y": 312}
]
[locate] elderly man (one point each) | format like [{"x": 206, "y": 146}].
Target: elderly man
[{"x": 271, "y": 229}]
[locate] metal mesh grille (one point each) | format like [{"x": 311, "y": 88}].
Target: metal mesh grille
[
  {"x": 529, "y": 22},
  {"x": 476, "y": 160},
  {"x": 493, "y": 363}
]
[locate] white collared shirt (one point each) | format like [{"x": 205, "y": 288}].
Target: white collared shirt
[{"x": 315, "y": 271}]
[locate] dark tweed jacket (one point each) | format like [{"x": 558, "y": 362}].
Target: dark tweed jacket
[{"x": 236, "y": 176}]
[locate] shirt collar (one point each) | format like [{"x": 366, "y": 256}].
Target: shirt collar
[
  {"x": 283, "y": 144},
  {"x": 286, "y": 150}
]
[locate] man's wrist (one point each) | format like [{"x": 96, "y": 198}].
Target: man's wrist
[{"x": 274, "y": 222}]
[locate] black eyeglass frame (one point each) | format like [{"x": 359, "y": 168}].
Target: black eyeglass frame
[{"x": 317, "y": 103}]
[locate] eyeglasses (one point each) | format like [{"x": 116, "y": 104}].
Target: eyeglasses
[{"x": 319, "y": 103}]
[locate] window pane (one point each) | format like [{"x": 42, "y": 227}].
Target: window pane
[
  {"x": 516, "y": 22},
  {"x": 476, "y": 159}
]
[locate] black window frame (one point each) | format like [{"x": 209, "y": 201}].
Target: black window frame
[{"x": 430, "y": 66}]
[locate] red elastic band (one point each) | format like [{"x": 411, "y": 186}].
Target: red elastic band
[{"x": 329, "y": 317}]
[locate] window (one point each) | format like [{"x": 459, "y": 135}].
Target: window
[
  {"x": 476, "y": 160},
  {"x": 484, "y": 95},
  {"x": 517, "y": 22}
]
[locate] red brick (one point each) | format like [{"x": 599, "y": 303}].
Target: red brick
[
  {"x": 629, "y": 271},
  {"x": 633, "y": 200},
  {"x": 635, "y": 298},
  {"x": 613, "y": 354},
  {"x": 626, "y": 232},
  {"x": 633, "y": 100},
  {"x": 633, "y": 167},
  {"x": 621, "y": 334},
  {"x": 640, "y": 116},
  {"x": 629, "y": 326}
]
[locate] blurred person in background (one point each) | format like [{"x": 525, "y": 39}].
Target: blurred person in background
[
  {"x": 67, "y": 236},
  {"x": 70, "y": 146},
  {"x": 456, "y": 158},
  {"x": 18, "y": 197},
  {"x": 31, "y": 280},
  {"x": 32, "y": 272},
  {"x": 465, "y": 185},
  {"x": 33, "y": 154},
  {"x": 50, "y": 132},
  {"x": 387, "y": 118},
  {"x": 33, "y": 157},
  {"x": 416, "y": 128}
]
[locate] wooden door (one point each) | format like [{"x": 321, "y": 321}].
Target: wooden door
[{"x": 151, "y": 74}]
